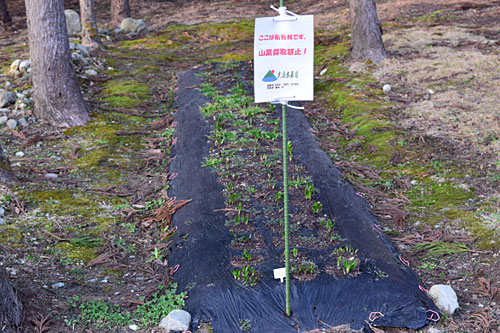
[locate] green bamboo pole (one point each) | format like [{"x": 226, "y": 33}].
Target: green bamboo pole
[
  {"x": 285, "y": 209},
  {"x": 285, "y": 203}
]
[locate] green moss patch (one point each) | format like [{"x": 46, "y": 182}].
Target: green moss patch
[{"x": 125, "y": 94}]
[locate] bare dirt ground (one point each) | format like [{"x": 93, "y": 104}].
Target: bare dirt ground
[{"x": 443, "y": 67}]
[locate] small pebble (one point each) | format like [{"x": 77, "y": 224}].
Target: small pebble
[
  {"x": 2, "y": 221},
  {"x": 3, "y": 120},
  {"x": 12, "y": 123},
  {"x": 134, "y": 327},
  {"x": 57, "y": 285},
  {"x": 19, "y": 154},
  {"x": 2, "y": 211},
  {"x": 23, "y": 122},
  {"x": 386, "y": 88},
  {"x": 50, "y": 175}
]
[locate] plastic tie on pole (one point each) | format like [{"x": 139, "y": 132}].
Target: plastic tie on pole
[
  {"x": 284, "y": 14},
  {"x": 283, "y": 101}
]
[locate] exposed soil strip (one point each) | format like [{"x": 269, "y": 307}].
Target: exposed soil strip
[{"x": 203, "y": 246}]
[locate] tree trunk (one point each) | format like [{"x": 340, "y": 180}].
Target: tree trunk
[
  {"x": 4, "y": 13},
  {"x": 10, "y": 306},
  {"x": 6, "y": 175},
  {"x": 366, "y": 34},
  {"x": 120, "y": 9},
  {"x": 90, "y": 36},
  {"x": 58, "y": 98}
]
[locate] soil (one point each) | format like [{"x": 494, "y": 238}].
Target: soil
[{"x": 97, "y": 227}]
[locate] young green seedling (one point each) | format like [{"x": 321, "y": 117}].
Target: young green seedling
[{"x": 317, "y": 207}]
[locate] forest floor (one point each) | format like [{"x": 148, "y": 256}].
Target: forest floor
[{"x": 426, "y": 155}]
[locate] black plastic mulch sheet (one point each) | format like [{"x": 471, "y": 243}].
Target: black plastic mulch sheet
[{"x": 201, "y": 247}]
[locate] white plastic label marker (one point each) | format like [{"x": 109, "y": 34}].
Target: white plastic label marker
[
  {"x": 284, "y": 58},
  {"x": 279, "y": 273}
]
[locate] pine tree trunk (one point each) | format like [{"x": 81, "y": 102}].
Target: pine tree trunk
[
  {"x": 120, "y": 9},
  {"x": 4, "y": 13},
  {"x": 90, "y": 36},
  {"x": 58, "y": 98},
  {"x": 366, "y": 34},
  {"x": 10, "y": 306},
  {"x": 6, "y": 175}
]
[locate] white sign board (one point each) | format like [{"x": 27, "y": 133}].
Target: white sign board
[{"x": 284, "y": 59}]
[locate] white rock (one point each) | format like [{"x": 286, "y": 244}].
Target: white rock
[
  {"x": 51, "y": 175},
  {"x": 133, "y": 327},
  {"x": 444, "y": 297},
  {"x": 57, "y": 285},
  {"x": 24, "y": 65},
  {"x": 2, "y": 211},
  {"x": 12, "y": 123},
  {"x": 130, "y": 25},
  {"x": 19, "y": 154},
  {"x": 386, "y": 88},
  {"x": 72, "y": 22},
  {"x": 323, "y": 71},
  {"x": 177, "y": 320},
  {"x": 3, "y": 120},
  {"x": 15, "y": 65},
  {"x": 90, "y": 72},
  {"x": 431, "y": 91}
]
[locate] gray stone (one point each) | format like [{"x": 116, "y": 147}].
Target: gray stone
[
  {"x": 24, "y": 65},
  {"x": 444, "y": 297},
  {"x": 12, "y": 123},
  {"x": 3, "y": 120},
  {"x": 6, "y": 98},
  {"x": 2, "y": 221},
  {"x": 117, "y": 31},
  {"x": 4, "y": 110},
  {"x": 72, "y": 46},
  {"x": 2, "y": 211},
  {"x": 177, "y": 320},
  {"x": 130, "y": 25},
  {"x": 22, "y": 122},
  {"x": 83, "y": 49},
  {"x": 73, "y": 22},
  {"x": 90, "y": 72},
  {"x": 79, "y": 59}
]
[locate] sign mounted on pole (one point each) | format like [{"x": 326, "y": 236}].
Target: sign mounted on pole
[{"x": 284, "y": 58}]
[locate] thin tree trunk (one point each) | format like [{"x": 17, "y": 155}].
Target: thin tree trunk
[
  {"x": 6, "y": 175},
  {"x": 120, "y": 9},
  {"x": 366, "y": 34},
  {"x": 10, "y": 306},
  {"x": 90, "y": 36},
  {"x": 58, "y": 98},
  {"x": 4, "y": 13}
]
